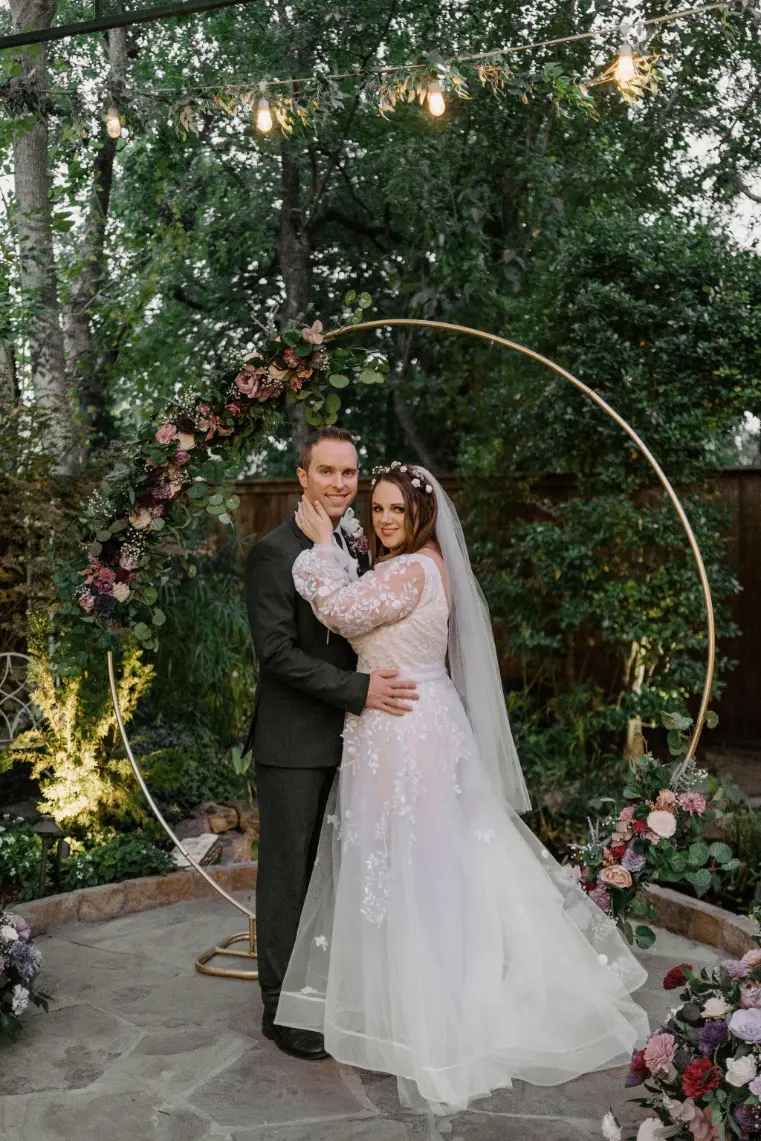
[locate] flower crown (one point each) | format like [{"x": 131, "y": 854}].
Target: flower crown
[{"x": 418, "y": 479}]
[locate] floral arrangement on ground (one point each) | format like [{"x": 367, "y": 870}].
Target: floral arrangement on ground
[
  {"x": 19, "y": 966},
  {"x": 658, "y": 836},
  {"x": 702, "y": 1067},
  {"x": 132, "y": 530}
]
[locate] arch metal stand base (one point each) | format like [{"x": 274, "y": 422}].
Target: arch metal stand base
[{"x": 228, "y": 972}]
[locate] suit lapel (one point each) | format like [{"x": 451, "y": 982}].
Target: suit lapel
[{"x": 304, "y": 543}]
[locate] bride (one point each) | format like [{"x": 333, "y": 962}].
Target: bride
[{"x": 440, "y": 941}]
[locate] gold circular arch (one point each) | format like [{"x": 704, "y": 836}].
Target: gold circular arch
[{"x": 250, "y": 935}]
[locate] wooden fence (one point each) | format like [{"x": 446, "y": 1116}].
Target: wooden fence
[{"x": 267, "y": 503}]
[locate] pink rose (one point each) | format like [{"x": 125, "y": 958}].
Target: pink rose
[
  {"x": 616, "y": 876},
  {"x": 22, "y": 927},
  {"x": 659, "y": 1052},
  {"x": 180, "y": 457},
  {"x": 665, "y": 798},
  {"x": 314, "y": 335},
  {"x": 234, "y": 408},
  {"x": 752, "y": 957},
  {"x": 750, "y": 997},
  {"x": 86, "y": 601},
  {"x": 249, "y": 380},
  {"x": 166, "y": 433},
  {"x": 627, "y": 814}
]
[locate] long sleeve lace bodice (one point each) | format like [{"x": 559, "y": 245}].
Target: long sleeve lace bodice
[{"x": 352, "y": 608}]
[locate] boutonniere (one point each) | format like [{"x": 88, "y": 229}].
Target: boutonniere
[{"x": 356, "y": 539}]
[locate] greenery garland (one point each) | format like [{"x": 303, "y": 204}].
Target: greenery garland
[{"x": 132, "y": 537}]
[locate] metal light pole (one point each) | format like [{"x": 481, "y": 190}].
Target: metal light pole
[{"x": 48, "y": 831}]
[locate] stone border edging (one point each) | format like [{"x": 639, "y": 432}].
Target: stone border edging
[
  {"x": 703, "y": 922},
  {"x": 678, "y": 913},
  {"x": 109, "y": 901}
]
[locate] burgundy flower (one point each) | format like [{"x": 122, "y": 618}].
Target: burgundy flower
[
  {"x": 290, "y": 360},
  {"x": 362, "y": 545},
  {"x": 639, "y": 826},
  {"x": 638, "y": 1071},
  {"x": 675, "y": 978},
  {"x": 180, "y": 457},
  {"x": 700, "y": 1077}
]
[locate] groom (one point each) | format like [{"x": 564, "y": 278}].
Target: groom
[{"x": 307, "y": 683}]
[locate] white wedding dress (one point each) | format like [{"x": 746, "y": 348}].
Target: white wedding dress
[{"x": 439, "y": 940}]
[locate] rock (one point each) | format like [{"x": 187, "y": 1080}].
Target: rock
[
  {"x": 236, "y": 847},
  {"x": 193, "y": 826},
  {"x": 221, "y": 817}
]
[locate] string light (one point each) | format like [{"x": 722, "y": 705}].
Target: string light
[
  {"x": 436, "y": 104},
  {"x": 263, "y": 115},
  {"x": 624, "y": 72},
  {"x": 113, "y": 123}
]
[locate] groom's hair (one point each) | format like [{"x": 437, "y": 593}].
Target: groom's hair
[{"x": 329, "y": 433}]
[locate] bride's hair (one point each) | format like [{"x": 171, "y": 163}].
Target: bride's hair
[{"x": 420, "y": 509}]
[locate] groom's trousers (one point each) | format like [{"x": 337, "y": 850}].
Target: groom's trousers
[{"x": 291, "y": 808}]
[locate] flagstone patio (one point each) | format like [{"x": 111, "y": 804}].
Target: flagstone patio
[{"x": 137, "y": 1045}]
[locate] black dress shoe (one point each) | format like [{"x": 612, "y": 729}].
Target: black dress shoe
[{"x": 304, "y": 1044}]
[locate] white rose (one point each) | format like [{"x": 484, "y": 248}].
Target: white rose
[
  {"x": 19, "y": 999},
  {"x": 9, "y": 933},
  {"x": 662, "y": 823},
  {"x": 610, "y": 1129},
  {"x": 715, "y": 1007},
  {"x": 652, "y": 1129},
  {"x": 121, "y": 591},
  {"x": 740, "y": 1071}
]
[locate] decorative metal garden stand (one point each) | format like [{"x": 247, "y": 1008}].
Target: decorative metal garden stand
[{"x": 250, "y": 935}]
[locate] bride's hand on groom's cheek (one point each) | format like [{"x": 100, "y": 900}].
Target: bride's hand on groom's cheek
[{"x": 314, "y": 521}]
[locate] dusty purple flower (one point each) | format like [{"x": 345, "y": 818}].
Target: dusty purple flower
[
  {"x": 601, "y": 896},
  {"x": 632, "y": 861},
  {"x": 26, "y": 960},
  {"x": 748, "y": 1117},
  {"x": 105, "y": 606},
  {"x": 735, "y": 968},
  {"x": 746, "y": 1025},
  {"x": 712, "y": 1036}
]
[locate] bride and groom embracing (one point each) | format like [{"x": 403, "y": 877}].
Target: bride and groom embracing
[{"x": 408, "y": 920}]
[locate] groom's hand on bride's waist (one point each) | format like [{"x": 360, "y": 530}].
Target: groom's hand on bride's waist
[{"x": 391, "y": 694}]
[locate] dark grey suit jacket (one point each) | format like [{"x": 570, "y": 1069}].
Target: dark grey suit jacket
[{"x": 307, "y": 679}]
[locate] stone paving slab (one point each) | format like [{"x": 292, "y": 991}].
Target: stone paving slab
[{"x": 139, "y": 1047}]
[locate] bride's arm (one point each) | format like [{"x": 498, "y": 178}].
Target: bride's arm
[{"x": 380, "y": 597}]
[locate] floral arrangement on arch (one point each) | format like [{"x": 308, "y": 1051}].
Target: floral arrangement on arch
[
  {"x": 658, "y": 836},
  {"x": 702, "y": 1067},
  {"x": 19, "y": 966},
  {"x": 132, "y": 529}
]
